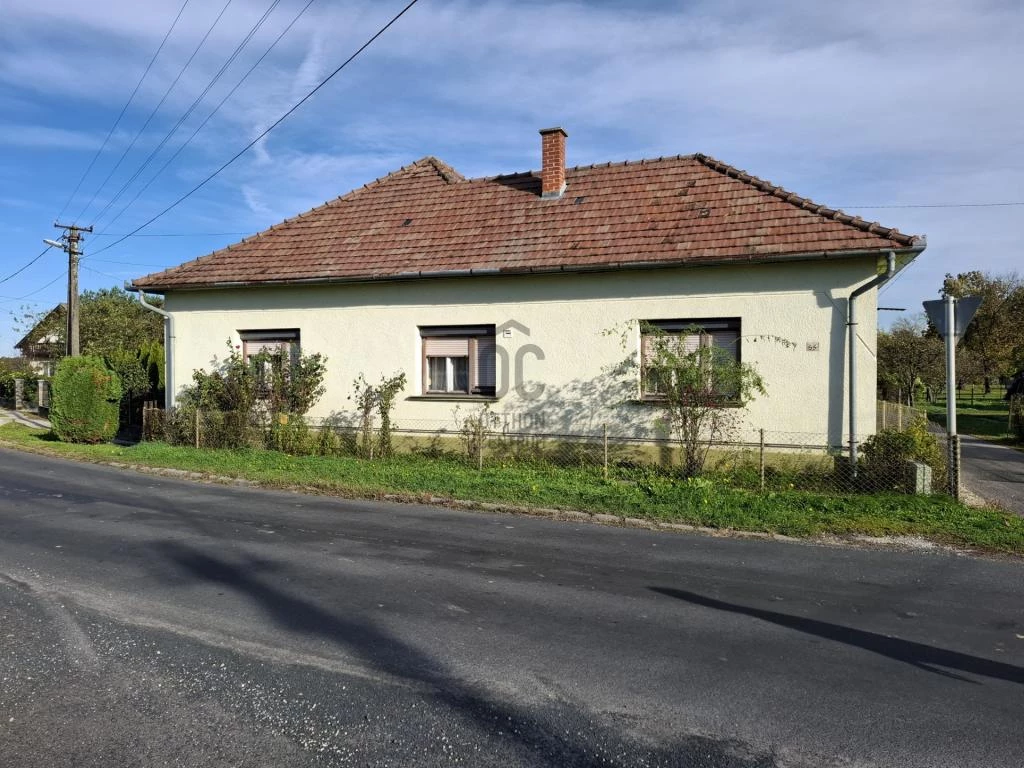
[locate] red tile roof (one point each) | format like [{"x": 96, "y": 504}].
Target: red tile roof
[{"x": 427, "y": 220}]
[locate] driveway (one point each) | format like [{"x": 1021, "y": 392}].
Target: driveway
[
  {"x": 148, "y": 621},
  {"x": 993, "y": 472}
]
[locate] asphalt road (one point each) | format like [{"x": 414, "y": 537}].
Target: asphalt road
[
  {"x": 153, "y": 622},
  {"x": 994, "y": 472}
]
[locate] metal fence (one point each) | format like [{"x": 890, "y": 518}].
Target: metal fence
[
  {"x": 913, "y": 461},
  {"x": 897, "y": 416}
]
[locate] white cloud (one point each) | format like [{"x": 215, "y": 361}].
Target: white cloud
[{"x": 868, "y": 103}]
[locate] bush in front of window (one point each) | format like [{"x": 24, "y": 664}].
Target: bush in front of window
[
  {"x": 701, "y": 388},
  {"x": 242, "y": 402},
  {"x": 85, "y": 399}
]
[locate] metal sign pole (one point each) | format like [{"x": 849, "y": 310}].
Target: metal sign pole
[
  {"x": 951, "y": 317},
  {"x": 952, "y": 438},
  {"x": 950, "y": 366}
]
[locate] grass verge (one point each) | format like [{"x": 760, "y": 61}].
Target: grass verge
[
  {"x": 978, "y": 415},
  {"x": 702, "y": 501}
]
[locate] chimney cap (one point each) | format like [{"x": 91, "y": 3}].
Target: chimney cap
[{"x": 546, "y": 131}]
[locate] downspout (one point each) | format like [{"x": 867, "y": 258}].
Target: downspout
[
  {"x": 168, "y": 347},
  {"x": 851, "y": 325}
]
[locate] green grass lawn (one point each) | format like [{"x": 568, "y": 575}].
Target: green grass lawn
[
  {"x": 978, "y": 414},
  {"x": 707, "y": 502}
]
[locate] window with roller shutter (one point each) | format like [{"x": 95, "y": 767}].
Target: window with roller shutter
[
  {"x": 272, "y": 347},
  {"x": 458, "y": 360},
  {"x": 685, "y": 337}
]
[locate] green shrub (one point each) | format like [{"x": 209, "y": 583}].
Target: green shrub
[
  {"x": 885, "y": 456},
  {"x": 290, "y": 434},
  {"x": 17, "y": 368},
  {"x": 85, "y": 399}
]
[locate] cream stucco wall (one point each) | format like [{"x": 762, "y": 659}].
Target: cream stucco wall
[{"x": 373, "y": 329}]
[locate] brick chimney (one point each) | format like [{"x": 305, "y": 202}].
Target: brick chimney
[{"x": 552, "y": 177}]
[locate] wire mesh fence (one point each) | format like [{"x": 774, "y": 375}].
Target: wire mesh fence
[
  {"x": 908, "y": 460},
  {"x": 890, "y": 415}
]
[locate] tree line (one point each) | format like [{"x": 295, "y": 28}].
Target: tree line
[{"x": 911, "y": 358}]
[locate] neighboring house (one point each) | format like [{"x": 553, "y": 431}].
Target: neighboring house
[
  {"x": 43, "y": 345},
  {"x": 525, "y": 291}
]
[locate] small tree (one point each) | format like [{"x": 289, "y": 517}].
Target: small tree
[
  {"x": 84, "y": 401},
  {"x": 372, "y": 400},
  {"x": 702, "y": 392},
  {"x": 473, "y": 429}
]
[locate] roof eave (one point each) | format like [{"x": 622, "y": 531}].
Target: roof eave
[{"x": 911, "y": 250}]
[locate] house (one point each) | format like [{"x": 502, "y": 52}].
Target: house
[
  {"x": 43, "y": 345},
  {"x": 525, "y": 291}
]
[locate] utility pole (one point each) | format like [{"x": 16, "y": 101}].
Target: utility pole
[{"x": 72, "y": 244}]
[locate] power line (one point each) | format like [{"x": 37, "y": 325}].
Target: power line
[
  {"x": 22, "y": 269},
  {"x": 130, "y": 263},
  {"x": 155, "y": 109},
  {"x": 187, "y": 114},
  {"x": 934, "y": 205},
  {"x": 272, "y": 126},
  {"x": 123, "y": 110},
  {"x": 61, "y": 276},
  {"x": 216, "y": 109},
  {"x": 101, "y": 272},
  {"x": 175, "y": 234}
]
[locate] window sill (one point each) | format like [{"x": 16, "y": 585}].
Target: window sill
[
  {"x": 456, "y": 398},
  {"x": 652, "y": 400}
]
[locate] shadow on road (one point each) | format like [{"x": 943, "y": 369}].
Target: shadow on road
[
  {"x": 547, "y": 736},
  {"x": 926, "y": 657}
]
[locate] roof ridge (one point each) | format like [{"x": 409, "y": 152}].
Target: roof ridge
[
  {"x": 805, "y": 203},
  {"x": 641, "y": 161}
]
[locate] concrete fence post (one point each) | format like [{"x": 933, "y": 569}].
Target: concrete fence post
[{"x": 19, "y": 394}]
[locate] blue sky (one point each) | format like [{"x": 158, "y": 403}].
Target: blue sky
[{"x": 856, "y": 104}]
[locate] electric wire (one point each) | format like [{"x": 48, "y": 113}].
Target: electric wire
[
  {"x": 61, "y": 276},
  {"x": 186, "y": 115},
  {"x": 175, "y": 234},
  {"x": 18, "y": 271},
  {"x": 216, "y": 109},
  {"x": 933, "y": 205},
  {"x": 124, "y": 109},
  {"x": 155, "y": 110},
  {"x": 265, "y": 132}
]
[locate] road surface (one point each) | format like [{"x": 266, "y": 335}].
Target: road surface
[
  {"x": 994, "y": 472},
  {"x": 147, "y": 621}
]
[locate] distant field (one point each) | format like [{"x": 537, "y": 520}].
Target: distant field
[{"x": 977, "y": 414}]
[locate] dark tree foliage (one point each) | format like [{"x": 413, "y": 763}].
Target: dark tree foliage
[{"x": 84, "y": 401}]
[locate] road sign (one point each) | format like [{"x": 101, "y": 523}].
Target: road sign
[
  {"x": 951, "y": 317},
  {"x": 963, "y": 313}
]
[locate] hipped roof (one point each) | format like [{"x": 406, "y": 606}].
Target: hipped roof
[{"x": 426, "y": 220}]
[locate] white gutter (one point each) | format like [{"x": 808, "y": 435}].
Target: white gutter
[
  {"x": 851, "y": 325},
  {"x": 168, "y": 345}
]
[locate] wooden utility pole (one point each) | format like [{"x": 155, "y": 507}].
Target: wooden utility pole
[{"x": 73, "y": 240}]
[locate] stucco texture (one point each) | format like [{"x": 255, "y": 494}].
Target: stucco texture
[{"x": 574, "y": 323}]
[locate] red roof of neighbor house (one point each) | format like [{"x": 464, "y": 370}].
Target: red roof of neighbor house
[{"x": 427, "y": 220}]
